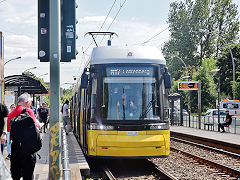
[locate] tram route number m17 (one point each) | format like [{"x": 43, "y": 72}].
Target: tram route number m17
[{"x": 193, "y": 85}]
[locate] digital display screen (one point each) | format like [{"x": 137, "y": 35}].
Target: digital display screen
[{"x": 129, "y": 71}]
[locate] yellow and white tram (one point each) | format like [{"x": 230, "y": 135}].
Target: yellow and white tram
[{"x": 119, "y": 107}]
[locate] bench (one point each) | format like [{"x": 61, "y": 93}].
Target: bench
[
  {"x": 208, "y": 125},
  {"x": 176, "y": 123},
  {"x": 227, "y": 127}
]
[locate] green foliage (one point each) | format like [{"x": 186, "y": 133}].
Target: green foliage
[
  {"x": 67, "y": 95},
  {"x": 226, "y": 70},
  {"x": 185, "y": 20},
  {"x": 208, "y": 87},
  {"x": 199, "y": 50},
  {"x": 236, "y": 90}
]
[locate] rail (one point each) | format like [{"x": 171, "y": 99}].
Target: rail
[
  {"x": 109, "y": 173},
  {"x": 66, "y": 168},
  {"x": 217, "y": 165},
  {"x": 219, "y": 150}
]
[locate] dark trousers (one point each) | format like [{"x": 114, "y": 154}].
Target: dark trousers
[
  {"x": 44, "y": 127},
  {"x": 21, "y": 165},
  {"x": 2, "y": 148},
  {"x": 221, "y": 125}
]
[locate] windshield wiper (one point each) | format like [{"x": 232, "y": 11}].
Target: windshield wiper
[{"x": 148, "y": 108}]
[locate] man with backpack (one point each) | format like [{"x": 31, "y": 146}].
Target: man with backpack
[{"x": 22, "y": 159}]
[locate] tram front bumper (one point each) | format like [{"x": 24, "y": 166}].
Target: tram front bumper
[{"x": 132, "y": 145}]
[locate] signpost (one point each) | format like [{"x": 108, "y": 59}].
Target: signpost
[
  {"x": 1, "y": 69},
  {"x": 193, "y": 85}
]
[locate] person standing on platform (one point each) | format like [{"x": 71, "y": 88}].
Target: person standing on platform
[
  {"x": 43, "y": 114},
  {"x": 9, "y": 141},
  {"x": 3, "y": 125},
  {"x": 21, "y": 165},
  {"x": 228, "y": 121},
  {"x": 65, "y": 115}
]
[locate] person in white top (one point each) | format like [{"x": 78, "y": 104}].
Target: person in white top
[{"x": 65, "y": 115}]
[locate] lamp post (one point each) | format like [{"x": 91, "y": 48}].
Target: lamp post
[
  {"x": 12, "y": 60},
  {"x": 185, "y": 77},
  {"x": 233, "y": 63},
  {"x": 218, "y": 105}
]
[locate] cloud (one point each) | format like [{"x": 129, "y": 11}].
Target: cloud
[
  {"x": 21, "y": 20},
  {"x": 87, "y": 19},
  {"x": 21, "y": 38}
]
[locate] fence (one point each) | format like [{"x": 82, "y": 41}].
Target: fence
[{"x": 210, "y": 123}]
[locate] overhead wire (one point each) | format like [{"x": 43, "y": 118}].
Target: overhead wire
[
  {"x": 150, "y": 39},
  {"x": 102, "y": 23},
  {"x": 84, "y": 51},
  {"x": 121, "y": 6}
]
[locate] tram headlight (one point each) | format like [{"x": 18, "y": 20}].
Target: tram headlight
[
  {"x": 94, "y": 126},
  {"x": 160, "y": 126}
]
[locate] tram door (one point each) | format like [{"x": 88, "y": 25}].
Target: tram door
[{"x": 84, "y": 120}]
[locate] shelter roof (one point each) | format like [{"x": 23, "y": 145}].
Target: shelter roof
[{"x": 26, "y": 84}]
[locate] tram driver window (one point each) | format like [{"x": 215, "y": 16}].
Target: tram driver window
[{"x": 129, "y": 98}]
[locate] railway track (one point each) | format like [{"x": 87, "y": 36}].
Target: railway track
[
  {"x": 233, "y": 169},
  {"x": 128, "y": 169},
  {"x": 161, "y": 173},
  {"x": 209, "y": 142},
  {"x": 235, "y": 155},
  {"x": 109, "y": 174},
  {"x": 217, "y": 165}
]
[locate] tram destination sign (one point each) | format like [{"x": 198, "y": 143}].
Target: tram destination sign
[
  {"x": 129, "y": 71},
  {"x": 192, "y": 85}
]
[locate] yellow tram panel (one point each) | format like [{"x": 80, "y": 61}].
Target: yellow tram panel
[
  {"x": 130, "y": 141},
  {"x": 111, "y": 143},
  {"x": 131, "y": 152}
]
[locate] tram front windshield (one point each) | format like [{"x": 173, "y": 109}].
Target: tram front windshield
[{"x": 131, "y": 97}]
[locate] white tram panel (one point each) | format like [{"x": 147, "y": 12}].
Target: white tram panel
[{"x": 126, "y": 54}]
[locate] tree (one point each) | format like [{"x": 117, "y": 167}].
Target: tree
[
  {"x": 208, "y": 87},
  {"x": 226, "y": 22},
  {"x": 226, "y": 70},
  {"x": 185, "y": 20},
  {"x": 67, "y": 94},
  {"x": 182, "y": 42}
]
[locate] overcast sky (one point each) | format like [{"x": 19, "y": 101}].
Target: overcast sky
[{"x": 138, "y": 21}]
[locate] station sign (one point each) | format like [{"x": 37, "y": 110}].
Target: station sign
[{"x": 192, "y": 85}]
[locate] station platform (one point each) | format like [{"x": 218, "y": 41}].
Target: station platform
[
  {"x": 224, "y": 137},
  {"x": 77, "y": 160}
]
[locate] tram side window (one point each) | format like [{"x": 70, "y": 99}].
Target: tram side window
[{"x": 93, "y": 97}]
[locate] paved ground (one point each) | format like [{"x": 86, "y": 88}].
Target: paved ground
[
  {"x": 77, "y": 161},
  {"x": 226, "y": 137}
]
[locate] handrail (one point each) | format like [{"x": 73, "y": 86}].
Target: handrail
[{"x": 66, "y": 168}]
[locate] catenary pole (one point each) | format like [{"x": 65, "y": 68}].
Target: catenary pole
[{"x": 54, "y": 131}]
